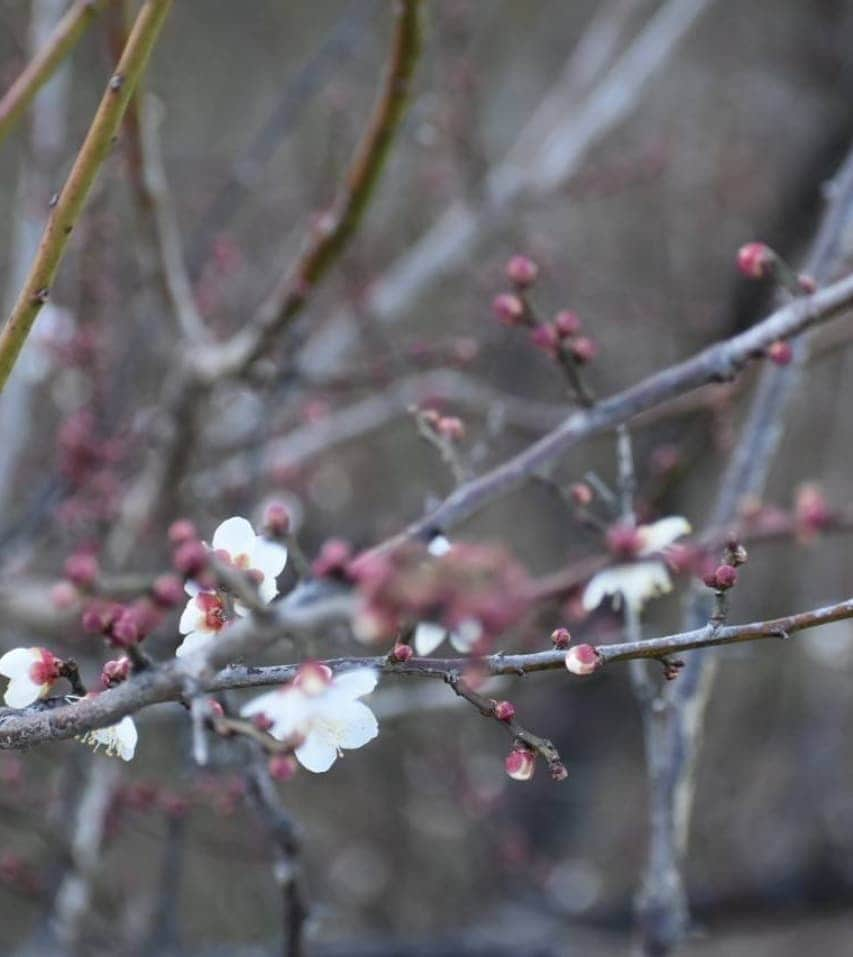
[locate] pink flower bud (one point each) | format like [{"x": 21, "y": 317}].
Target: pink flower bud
[
  {"x": 561, "y": 638},
  {"x": 125, "y": 629},
  {"x": 400, "y": 653},
  {"x": 504, "y": 710},
  {"x": 583, "y": 349},
  {"x": 116, "y": 671},
  {"x": 780, "y": 352},
  {"x": 262, "y": 721},
  {"x": 182, "y": 531},
  {"x": 623, "y": 541},
  {"x": 545, "y": 337},
  {"x": 582, "y": 660},
  {"x": 582, "y": 494},
  {"x": 167, "y": 591},
  {"x": 276, "y": 520},
  {"x": 807, "y": 284},
  {"x": 333, "y": 558},
  {"x": 312, "y": 678},
  {"x": 567, "y": 323},
  {"x": 63, "y": 595},
  {"x": 282, "y": 767},
  {"x": 558, "y": 771},
  {"x": 725, "y": 577},
  {"x": 191, "y": 558},
  {"x": 521, "y": 271},
  {"x": 215, "y": 708},
  {"x": 520, "y": 764},
  {"x": 81, "y": 569},
  {"x": 451, "y": 428},
  {"x": 98, "y": 616},
  {"x": 508, "y": 309},
  {"x": 755, "y": 259}
]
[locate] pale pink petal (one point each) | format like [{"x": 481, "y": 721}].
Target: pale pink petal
[{"x": 235, "y": 536}]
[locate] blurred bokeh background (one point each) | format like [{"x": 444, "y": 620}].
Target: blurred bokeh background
[{"x": 419, "y": 844}]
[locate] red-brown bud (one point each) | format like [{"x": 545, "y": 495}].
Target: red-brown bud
[
  {"x": 191, "y": 558},
  {"x": 504, "y": 710},
  {"x": 400, "y": 653},
  {"x": 754, "y": 260},
  {"x": 167, "y": 591},
  {"x": 545, "y": 337},
  {"x": 282, "y": 767},
  {"x": 780, "y": 352},
  {"x": 521, "y": 271},
  {"x": 561, "y": 638},
  {"x": 520, "y": 764},
  {"x": 567, "y": 323},
  {"x": 508, "y": 309}
]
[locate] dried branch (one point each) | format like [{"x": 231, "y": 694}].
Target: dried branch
[
  {"x": 46, "y": 61},
  {"x": 71, "y": 200}
]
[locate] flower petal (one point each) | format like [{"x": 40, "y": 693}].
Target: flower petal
[
  {"x": 440, "y": 545},
  {"x": 636, "y": 583},
  {"x": 268, "y": 557},
  {"x": 354, "y": 684},
  {"x": 318, "y": 752},
  {"x": 126, "y": 738},
  {"x": 21, "y": 693},
  {"x": 466, "y": 635},
  {"x": 360, "y": 725},
  {"x": 235, "y": 536},
  {"x": 17, "y": 662},
  {"x": 428, "y": 636},
  {"x": 658, "y": 535},
  {"x": 193, "y": 642},
  {"x": 192, "y": 618}
]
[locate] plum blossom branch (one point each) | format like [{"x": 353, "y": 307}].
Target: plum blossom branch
[
  {"x": 46, "y": 61},
  {"x": 72, "y": 198}
]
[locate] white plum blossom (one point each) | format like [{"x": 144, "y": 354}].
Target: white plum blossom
[
  {"x": 637, "y": 582},
  {"x": 320, "y": 712},
  {"x": 32, "y": 672},
  {"x": 119, "y": 740},
  {"x": 202, "y": 619},
  {"x": 236, "y": 543},
  {"x": 429, "y": 634}
]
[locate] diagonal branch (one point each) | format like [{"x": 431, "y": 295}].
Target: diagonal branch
[{"x": 72, "y": 199}]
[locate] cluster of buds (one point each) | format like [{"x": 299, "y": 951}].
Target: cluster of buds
[
  {"x": 562, "y": 336},
  {"x": 334, "y": 559},
  {"x": 724, "y": 576},
  {"x": 88, "y": 462},
  {"x": 759, "y": 261},
  {"x": 123, "y": 626},
  {"x": 469, "y": 583}
]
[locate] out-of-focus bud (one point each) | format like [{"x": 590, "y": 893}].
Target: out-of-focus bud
[
  {"x": 181, "y": 531},
  {"x": 567, "y": 323},
  {"x": 583, "y": 349},
  {"x": 582, "y": 494},
  {"x": 282, "y": 767},
  {"x": 508, "y": 309},
  {"x": 167, "y": 591},
  {"x": 807, "y": 284},
  {"x": 451, "y": 428},
  {"x": 333, "y": 558},
  {"x": 276, "y": 520},
  {"x": 623, "y": 541},
  {"x": 190, "y": 558},
  {"x": 400, "y": 653},
  {"x": 114, "y": 672},
  {"x": 520, "y": 764},
  {"x": 722, "y": 578},
  {"x": 755, "y": 260},
  {"x": 545, "y": 337},
  {"x": 521, "y": 271},
  {"x": 780, "y": 352},
  {"x": 81, "y": 569},
  {"x": 63, "y": 595},
  {"x": 582, "y": 660},
  {"x": 504, "y": 710},
  {"x": 125, "y": 630},
  {"x": 561, "y": 637}
]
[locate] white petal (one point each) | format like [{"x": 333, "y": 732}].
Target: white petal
[
  {"x": 193, "y": 642},
  {"x": 126, "y": 738},
  {"x": 657, "y": 536},
  {"x": 466, "y": 635},
  {"x": 22, "y": 692},
  {"x": 289, "y": 710},
  {"x": 439, "y": 546},
  {"x": 428, "y": 636},
  {"x": 354, "y": 684},
  {"x": 636, "y": 583},
  {"x": 260, "y": 705},
  {"x": 235, "y": 536},
  {"x": 360, "y": 726},
  {"x": 192, "y": 619},
  {"x": 192, "y": 588},
  {"x": 268, "y": 589},
  {"x": 18, "y": 662},
  {"x": 317, "y": 753},
  {"x": 268, "y": 557}
]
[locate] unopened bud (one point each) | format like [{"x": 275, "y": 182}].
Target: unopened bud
[
  {"x": 724, "y": 577},
  {"x": 167, "y": 591},
  {"x": 508, "y": 309},
  {"x": 191, "y": 558},
  {"x": 276, "y": 520},
  {"x": 520, "y": 764},
  {"x": 282, "y": 767},
  {"x": 545, "y": 337},
  {"x": 400, "y": 653},
  {"x": 521, "y": 271},
  {"x": 583, "y": 349},
  {"x": 780, "y": 352},
  {"x": 504, "y": 710},
  {"x": 81, "y": 569},
  {"x": 582, "y": 494},
  {"x": 182, "y": 531},
  {"x": 333, "y": 558},
  {"x": 755, "y": 260},
  {"x": 561, "y": 638},
  {"x": 451, "y": 428},
  {"x": 582, "y": 660},
  {"x": 567, "y": 323},
  {"x": 116, "y": 671}
]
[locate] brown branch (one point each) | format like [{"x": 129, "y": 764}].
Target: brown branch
[
  {"x": 69, "y": 205},
  {"x": 46, "y": 61},
  {"x": 55, "y": 720},
  {"x": 335, "y": 228}
]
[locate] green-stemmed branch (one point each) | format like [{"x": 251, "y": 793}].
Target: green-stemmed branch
[{"x": 71, "y": 201}]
